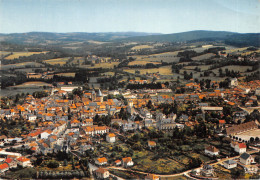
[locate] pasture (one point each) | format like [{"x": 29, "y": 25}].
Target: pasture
[
  {"x": 164, "y": 70},
  {"x": 140, "y": 62},
  {"x": 60, "y": 61},
  {"x": 165, "y": 57},
  {"x": 139, "y": 47},
  {"x": 16, "y": 55},
  {"x": 66, "y": 74},
  {"x": 107, "y": 65},
  {"x": 32, "y": 84},
  {"x": 202, "y": 57},
  {"x": 21, "y": 65}
]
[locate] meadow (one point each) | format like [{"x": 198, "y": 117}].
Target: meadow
[
  {"x": 60, "y": 61},
  {"x": 164, "y": 70},
  {"x": 66, "y": 74},
  {"x": 139, "y": 47},
  {"x": 21, "y": 65},
  {"x": 16, "y": 55}
]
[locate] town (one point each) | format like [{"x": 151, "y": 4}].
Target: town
[
  {"x": 132, "y": 89},
  {"x": 73, "y": 131}
]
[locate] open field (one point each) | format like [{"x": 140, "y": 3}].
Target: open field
[
  {"x": 139, "y": 47},
  {"x": 21, "y": 65},
  {"x": 32, "y": 84},
  {"x": 164, "y": 70},
  {"x": 66, "y": 74},
  {"x": 18, "y": 54},
  {"x": 235, "y": 50},
  {"x": 60, "y": 61},
  {"x": 140, "y": 62},
  {"x": 13, "y": 91},
  {"x": 109, "y": 65},
  {"x": 202, "y": 57},
  {"x": 165, "y": 57},
  {"x": 4, "y": 53},
  {"x": 241, "y": 69}
]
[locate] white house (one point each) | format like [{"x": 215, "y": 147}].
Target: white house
[
  {"x": 233, "y": 82},
  {"x": 212, "y": 151},
  {"x": 229, "y": 164},
  {"x": 45, "y": 134},
  {"x": 127, "y": 161},
  {"x": 246, "y": 159},
  {"x": 101, "y": 161},
  {"x": 240, "y": 148},
  {"x": 102, "y": 173},
  {"x": 111, "y": 137},
  {"x": 31, "y": 117},
  {"x": 23, "y": 161}
]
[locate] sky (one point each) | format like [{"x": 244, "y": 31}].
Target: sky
[{"x": 156, "y": 16}]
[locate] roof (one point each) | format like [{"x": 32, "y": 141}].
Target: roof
[
  {"x": 222, "y": 121},
  {"x": 117, "y": 161},
  {"x": 242, "y": 145},
  {"x": 212, "y": 149},
  {"x": 8, "y": 160},
  {"x": 111, "y": 135},
  {"x": 230, "y": 162},
  {"x": 4, "y": 166},
  {"x": 151, "y": 176},
  {"x": 102, "y": 160},
  {"x": 127, "y": 159},
  {"x": 245, "y": 156},
  {"x": 151, "y": 143},
  {"x": 101, "y": 170},
  {"x": 23, "y": 159}
]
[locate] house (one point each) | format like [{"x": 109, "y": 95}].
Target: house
[
  {"x": 233, "y": 82},
  {"x": 111, "y": 137},
  {"x": 118, "y": 162},
  {"x": 75, "y": 123},
  {"x": 229, "y": 164},
  {"x": 207, "y": 170},
  {"x": 127, "y": 161},
  {"x": 212, "y": 151},
  {"x": 102, "y": 173},
  {"x": 151, "y": 144},
  {"x": 23, "y": 161},
  {"x": 240, "y": 148},
  {"x": 4, "y": 167},
  {"x": 11, "y": 163},
  {"x": 246, "y": 159},
  {"x": 151, "y": 177},
  {"x": 101, "y": 161}
]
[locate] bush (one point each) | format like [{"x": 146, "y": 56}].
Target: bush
[{"x": 53, "y": 164}]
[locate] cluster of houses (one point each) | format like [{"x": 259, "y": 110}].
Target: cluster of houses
[{"x": 63, "y": 124}]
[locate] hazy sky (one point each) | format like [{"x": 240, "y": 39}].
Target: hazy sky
[{"x": 162, "y": 16}]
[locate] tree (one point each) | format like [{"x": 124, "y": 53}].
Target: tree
[{"x": 53, "y": 164}]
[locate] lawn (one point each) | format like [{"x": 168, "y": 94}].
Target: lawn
[
  {"x": 60, "y": 61},
  {"x": 164, "y": 70},
  {"x": 18, "y": 54}
]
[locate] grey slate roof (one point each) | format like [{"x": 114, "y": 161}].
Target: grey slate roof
[{"x": 245, "y": 156}]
